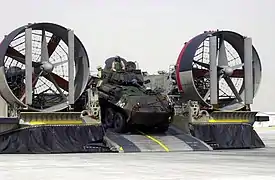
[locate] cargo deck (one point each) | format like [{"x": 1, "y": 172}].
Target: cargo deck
[{"x": 172, "y": 141}]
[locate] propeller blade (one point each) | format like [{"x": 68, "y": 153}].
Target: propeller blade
[
  {"x": 35, "y": 78},
  {"x": 57, "y": 86},
  {"x": 14, "y": 54},
  {"x": 237, "y": 66},
  {"x": 207, "y": 66},
  {"x": 238, "y": 73},
  {"x": 233, "y": 88},
  {"x": 206, "y": 96},
  {"x": 222, "y": 60},
  {"x": 66, "y": 61},
  {"x": 197, "y": 73},
  {"x": 60, "y": 63},
  {"x": 62, "y": 83},
  {"x": 44, "y": 48},
  {"x": 53, "y": 43}
]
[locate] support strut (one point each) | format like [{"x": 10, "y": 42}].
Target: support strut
[{"x": 28, "y": 66}]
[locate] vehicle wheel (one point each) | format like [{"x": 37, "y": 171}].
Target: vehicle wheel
[
  {"x": 109, "y": 118},
  {"x": 163, "y": 128},
  {"x": 119, "y": 123}
]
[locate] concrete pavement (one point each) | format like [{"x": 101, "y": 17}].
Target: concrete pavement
[{"x": 231, "y": 164}]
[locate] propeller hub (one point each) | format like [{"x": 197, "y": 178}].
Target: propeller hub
[
  {"x": 47, "y": 66},
  {"x": 228, "y": 71}
]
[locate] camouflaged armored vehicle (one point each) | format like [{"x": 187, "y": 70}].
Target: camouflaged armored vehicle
[{"x": 125, "y": 102}]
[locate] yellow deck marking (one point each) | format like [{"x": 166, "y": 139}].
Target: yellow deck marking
[
  {"x": 41, "y": 122},
  {"x": 228, "y": 120},
  {"x": 121, "y": 148},
  {"x": 156, "y": 141}
]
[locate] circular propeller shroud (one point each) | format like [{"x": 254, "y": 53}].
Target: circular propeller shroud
[
  {"x": 59, "y": 34},
  {"x": 187, "y": 75}
]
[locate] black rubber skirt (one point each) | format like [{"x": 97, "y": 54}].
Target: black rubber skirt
[{"x": 53, "y": 139}]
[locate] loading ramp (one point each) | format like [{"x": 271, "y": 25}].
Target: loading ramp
[{"x": 173, "y": 140}]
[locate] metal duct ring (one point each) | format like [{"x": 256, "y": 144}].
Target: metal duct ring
[
  {"x": 49, "y": 64},
  {"x": 193, "y": 70}
]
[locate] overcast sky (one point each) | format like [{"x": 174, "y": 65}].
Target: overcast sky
[{"x": 153, "y": 32}]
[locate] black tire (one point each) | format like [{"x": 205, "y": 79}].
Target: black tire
[
  {"x": 109, "y": 118},
  {"x": 163, "y": 127},
  {"x": 119, "y": 123}
]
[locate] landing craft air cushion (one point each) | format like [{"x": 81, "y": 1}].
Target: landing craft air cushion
[{"x": 62, "y": 108}]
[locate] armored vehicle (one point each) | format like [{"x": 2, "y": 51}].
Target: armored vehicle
[{"x": 125, "y": 101}]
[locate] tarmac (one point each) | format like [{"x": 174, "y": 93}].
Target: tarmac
[{"x": 215, "y": 165}]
